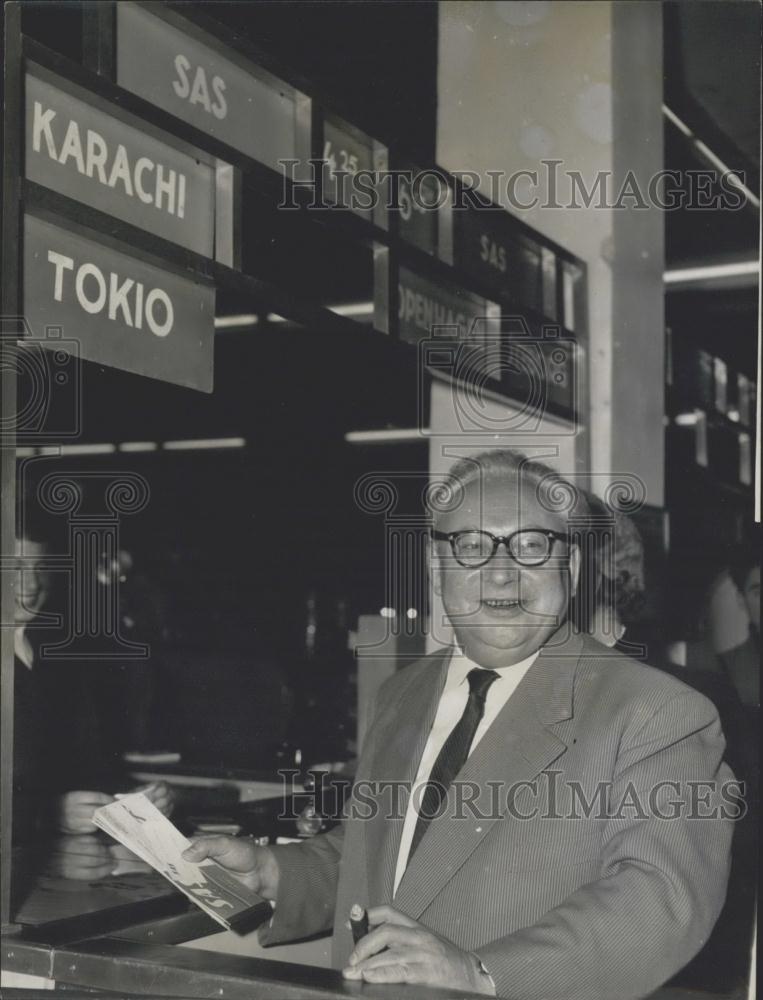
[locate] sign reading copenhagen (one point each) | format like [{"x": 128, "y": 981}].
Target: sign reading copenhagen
[
  {"x": 96, "y": 158},
  {"x": 248, "y": 110},
  {"x": 423, "y": 306},
  {"x": 123, "y": 312}
]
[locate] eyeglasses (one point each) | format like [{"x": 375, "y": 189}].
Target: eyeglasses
[{"x": 527, "y": 547}]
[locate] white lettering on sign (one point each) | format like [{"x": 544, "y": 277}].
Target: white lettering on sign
[
  {"x": 93, "y": 291},
  {"x": 493, "y": 253},
  {"x": 425, "y": 312},
  {"x": 153, "y": 183},
  {"x": 198, "y": 91},
  {"x": 90, "y": 271}
]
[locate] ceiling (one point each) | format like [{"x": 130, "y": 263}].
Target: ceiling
[
  {"x": 712, "y": 75},
  {"x": 712, "y": 83}
]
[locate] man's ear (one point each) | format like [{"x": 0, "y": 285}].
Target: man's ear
[
  {"x": 573, "y": 564},
  {"x": 433, "y": 565}
]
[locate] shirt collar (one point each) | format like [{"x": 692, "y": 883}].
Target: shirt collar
[
  {"x": 22, "y": 647},
  {"x": 460, "y": 665}
]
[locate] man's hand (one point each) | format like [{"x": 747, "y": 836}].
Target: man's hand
[
  {"x": 160, "y": 794},
  {"x": 74, "y": 812},
  {"x": 124, "y": 862},
  {"x": 400, "y": 950},
  {"x": 82, "y": 858},
  {"x": 255, "y": 866},
  {"x": 88, "y": 858}
]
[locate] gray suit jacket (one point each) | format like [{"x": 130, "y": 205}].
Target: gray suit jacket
[{"x": 551, "y": 861}]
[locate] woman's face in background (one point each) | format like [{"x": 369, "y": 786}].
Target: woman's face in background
[{"x": 32, "y": 580}]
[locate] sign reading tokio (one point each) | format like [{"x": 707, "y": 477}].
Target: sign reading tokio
[
  {"x": 97, "y": 158},
  {"x": 122, "y": 311}
]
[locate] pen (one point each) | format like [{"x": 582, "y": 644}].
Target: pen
[{"x": 358, "y": 922}]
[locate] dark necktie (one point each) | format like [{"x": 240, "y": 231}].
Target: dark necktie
[{"x": 454, "y": 752}]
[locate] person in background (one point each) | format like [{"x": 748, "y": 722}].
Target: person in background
[
  {"x": 724, "y": 617},
  {"x": 619, "y": 575},
  {"x": 58, "y": 778},
  {"x": 32, "y": 590},
  {"x": 730, "y": 680},
  {"x": 742, "y": 663}
]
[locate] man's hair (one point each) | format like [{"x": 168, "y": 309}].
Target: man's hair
[
  {"x": 742, "y": 560},
  {"x": 554, "y": 492}
]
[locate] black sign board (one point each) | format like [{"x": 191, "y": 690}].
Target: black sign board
[
  {"x": 120, "y": 310},
  {"x": 424, "y": 307},
  {"x": 487, "y": 246},
  {"x": 97, "y": 157},
  {"x": 421, "y": 197},
  {"x": 349, "y": 175},
  {"x": 247, "y": 108}
]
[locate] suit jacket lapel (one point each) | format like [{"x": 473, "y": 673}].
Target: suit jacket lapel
[
  {"x": 520, "y": 743},
  {"x": 402, "y": 736}
]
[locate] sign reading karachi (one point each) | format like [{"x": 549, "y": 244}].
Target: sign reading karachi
[
  {"x": 124, "y": 312},
  {"x": 97, "y": 158}
]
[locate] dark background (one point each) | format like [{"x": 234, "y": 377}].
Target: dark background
[{"x": 238, "y": 540}]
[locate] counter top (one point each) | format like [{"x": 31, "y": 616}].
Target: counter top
[
  {"x": 121, "y": 935},
  {"x": 162, "y": 970}
]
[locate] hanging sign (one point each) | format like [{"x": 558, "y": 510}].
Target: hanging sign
[
  {"x": 97, "y": 158},
  {"x": 246, "y": 108},
  {"x": 121, "y": 311}
]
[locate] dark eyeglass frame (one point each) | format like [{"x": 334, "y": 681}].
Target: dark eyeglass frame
[{"x": 452, "y": 536}]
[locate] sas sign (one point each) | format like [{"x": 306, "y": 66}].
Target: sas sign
[
  {"x": 246, "y": 108},
  {"x": 123, "y": 312}
]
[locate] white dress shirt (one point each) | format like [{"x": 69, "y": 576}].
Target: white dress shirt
[
  {"x": 22, "y": 648},
  {"x": 453, "y": 701}
]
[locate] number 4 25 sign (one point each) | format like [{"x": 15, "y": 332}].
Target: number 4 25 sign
[{"x": 349, "y": 179}]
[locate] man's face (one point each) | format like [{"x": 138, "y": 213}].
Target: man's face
[
  {"x": 503, "y": 612},
  {"x": 32, "y": 582},
  {"x": 751, "y": 596}
]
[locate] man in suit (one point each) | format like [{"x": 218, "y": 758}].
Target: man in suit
[{"x": 565, "y": 835}]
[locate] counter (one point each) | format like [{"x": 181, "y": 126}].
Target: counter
[
  {"x": 130, "y": 934},
  {"x": 139, "y": 968}
]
